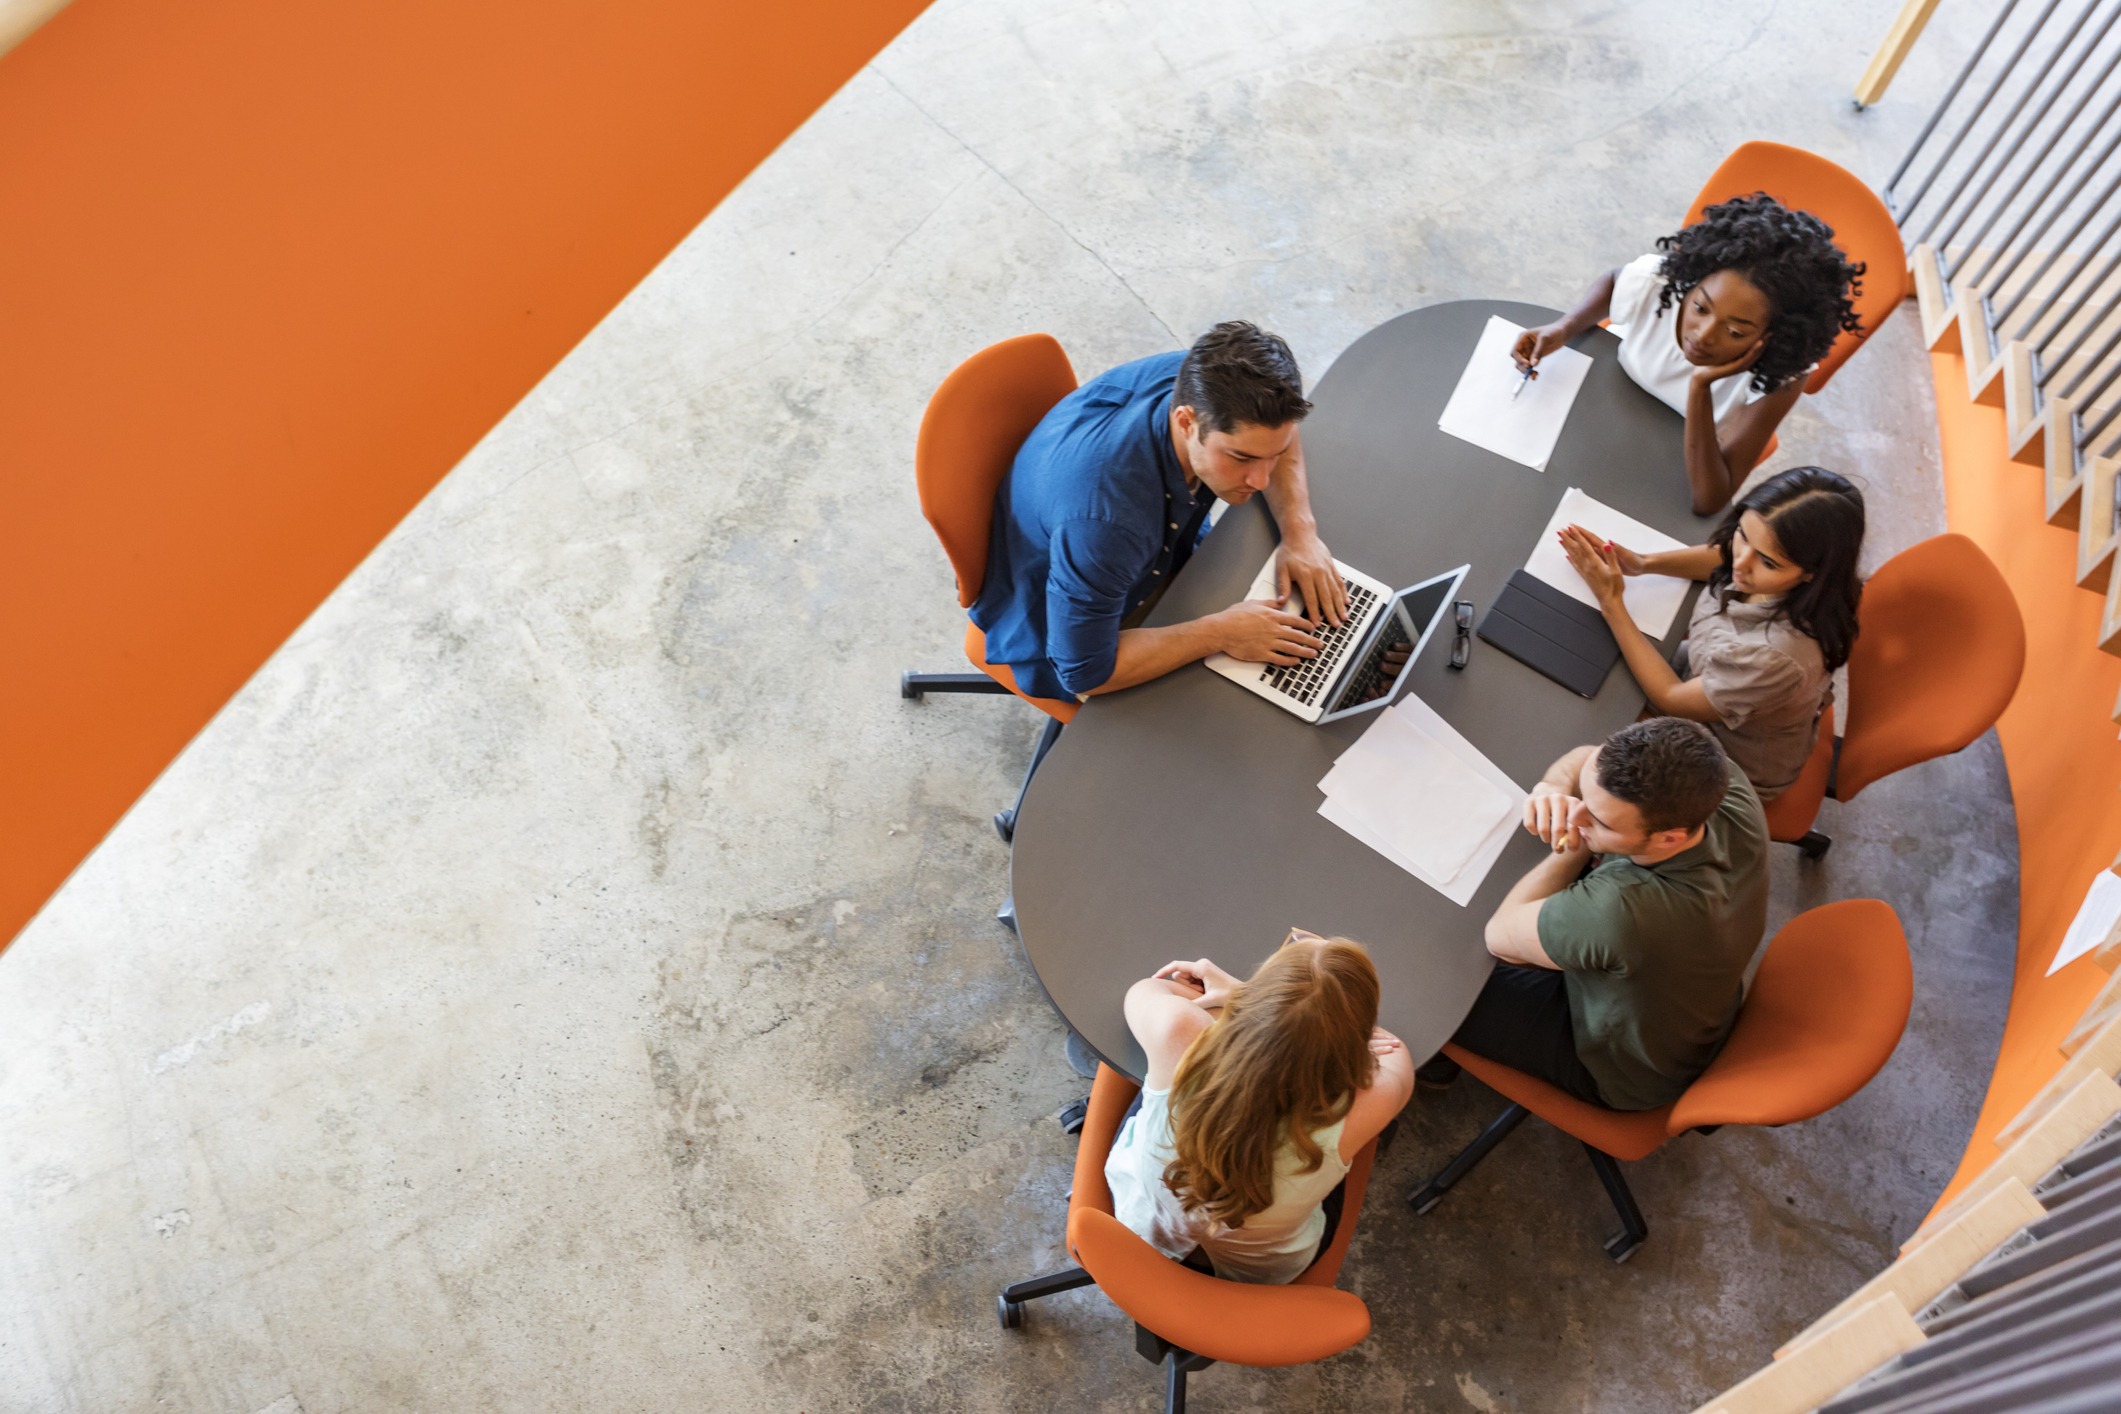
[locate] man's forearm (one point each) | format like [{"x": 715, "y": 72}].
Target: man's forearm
[
  {"x": 1149, "y": 653},
  {"x": 1512, "y": 933},
  {"x": 1566, "y": 775},
  {"x": 1547, "y": 878},
  {"x": 1289, "y": 497}
]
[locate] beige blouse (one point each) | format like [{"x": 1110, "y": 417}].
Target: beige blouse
[{"x": 1767, "y": 681}]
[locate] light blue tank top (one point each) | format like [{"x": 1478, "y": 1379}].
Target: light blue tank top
[{"x": 1274, "y": 1245}]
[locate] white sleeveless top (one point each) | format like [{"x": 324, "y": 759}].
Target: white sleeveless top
[
  {"x": 1649, "y": 343},
  {"x": 1274, "y": 1245}
]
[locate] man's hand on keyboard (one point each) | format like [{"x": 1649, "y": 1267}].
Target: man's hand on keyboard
[
  {"x": 1260, "y": 631},
  {"x": 1304, "y": 564}
]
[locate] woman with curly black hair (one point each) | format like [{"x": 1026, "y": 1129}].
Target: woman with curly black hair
[
  {"x": 1752, "y": 288},
  {"x": 1776, "y": 619}
]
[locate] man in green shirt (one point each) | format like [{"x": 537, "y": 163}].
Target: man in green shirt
[{"x": 1621, "y": 956}]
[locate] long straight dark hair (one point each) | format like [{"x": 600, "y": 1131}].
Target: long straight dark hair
[{"x": 1817, "y": 515}]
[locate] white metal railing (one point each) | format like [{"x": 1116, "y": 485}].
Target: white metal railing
[{"x": 2009, "y": 201}]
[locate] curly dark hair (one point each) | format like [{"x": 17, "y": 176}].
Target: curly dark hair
[
  {"x": 1817, "y": 515},
  {"x": 1790, "y": 256}
]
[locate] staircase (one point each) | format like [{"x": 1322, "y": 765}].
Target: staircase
[{"x": 2009, "y": 202}]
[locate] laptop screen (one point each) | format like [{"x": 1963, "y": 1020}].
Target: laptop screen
[{"x": 1408, "y": 620}]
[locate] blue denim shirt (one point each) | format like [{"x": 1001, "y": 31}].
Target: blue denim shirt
[{"x": 1093, "y": 517}]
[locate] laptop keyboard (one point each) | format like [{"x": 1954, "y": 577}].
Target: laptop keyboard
[{"x": 1303, "y": 681}]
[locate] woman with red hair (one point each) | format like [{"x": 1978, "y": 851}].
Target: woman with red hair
[{"x": 1259, "y": 1095}]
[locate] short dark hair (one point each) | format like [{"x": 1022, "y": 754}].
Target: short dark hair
[
  {"x": 1672, "y": 770},
  {"x": 1790, "y": 257},
  {"x": 1239, "y": 373}
]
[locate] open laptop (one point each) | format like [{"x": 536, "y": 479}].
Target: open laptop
[{"x": 1349, "y": 670}]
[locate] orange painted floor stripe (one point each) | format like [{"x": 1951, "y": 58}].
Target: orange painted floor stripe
[
  {"x": 2058, "y": 744},
  {"x": 269, "y": 271}
]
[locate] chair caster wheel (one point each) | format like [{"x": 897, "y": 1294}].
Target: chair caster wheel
[
  {"x": 1010, "y": 1312},
  {"x": 1621, "y": 1246},
  {"x": 1423, "y": 1199},
  {"x": 1072, "y": 1116},
  {"x": 1005, "y": 825}
]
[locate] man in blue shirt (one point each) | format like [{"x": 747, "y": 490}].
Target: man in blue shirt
[{"x": 1107, "y": 497}]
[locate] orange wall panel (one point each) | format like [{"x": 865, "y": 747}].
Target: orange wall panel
[
  {"x": 269, "y": 270},
  {"x": 2059, "y": 745}
]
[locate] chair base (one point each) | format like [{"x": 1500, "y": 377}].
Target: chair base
[
  {"x": 1009, "y": 1306},
  {"x": 1431, "y": 1193},
  {"x": 915, "y": 686},
  {"x": 918, "y": 685},
  {"x": 1814, "y": 845},
  {"x": 1620, "y": 1246},
  {"x": 1177, "y": 1362},
  {"x": 1005, "y": 820}
]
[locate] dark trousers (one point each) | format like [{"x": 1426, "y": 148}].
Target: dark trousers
[{"x": 1521, "y": 1019}]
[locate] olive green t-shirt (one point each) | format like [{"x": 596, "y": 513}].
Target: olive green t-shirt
[{"x": 1653, "y": 957}]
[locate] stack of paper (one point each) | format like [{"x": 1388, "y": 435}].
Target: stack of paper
[
  {"x": 1422, "y": 796},
  {"x": 1496, "y": 407},
  {"x": 1653, "y": 600}
]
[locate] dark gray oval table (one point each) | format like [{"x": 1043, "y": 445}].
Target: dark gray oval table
[{"x": 1179, "y": 819}]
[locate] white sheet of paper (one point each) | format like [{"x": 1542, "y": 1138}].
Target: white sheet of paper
[
  {"x": 2095, "y": 919},
  {"x": 1494, "y": 406},
  {"x": 1418, "y": 796},
  {"x": 1653, "y": 600},
  {"x": 1485, "y": 847}
]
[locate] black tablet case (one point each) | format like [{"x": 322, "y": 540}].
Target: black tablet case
[{"x": 1549, "y": 632}]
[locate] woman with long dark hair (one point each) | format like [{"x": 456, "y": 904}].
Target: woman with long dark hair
[
  {"x": 1259, "y": 1095},
  {"x": 1777, "y": 618},
  {"x": 1722, "y": 322}
]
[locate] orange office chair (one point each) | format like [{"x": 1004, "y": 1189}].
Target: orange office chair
[
  {"x": 1824, "y": 1014},
  {"x": 1791, "y": 814},
  {"x": 1863, "y": 228},
  {"x": 969, "y": 437},
  {"x": 1186, "y": 1320},
  {"x": 1938, "y": 658}
]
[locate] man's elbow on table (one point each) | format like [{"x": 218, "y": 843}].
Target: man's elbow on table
[
  {"x": 1493, "y": 935},
  {"x": 1083, "y": 676},
  {"x": 1512, "y": 935}
]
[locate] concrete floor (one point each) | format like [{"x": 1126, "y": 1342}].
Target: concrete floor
[{"x": 564, "y": 977}]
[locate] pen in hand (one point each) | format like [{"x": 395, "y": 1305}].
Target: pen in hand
[{"x": 1524, "y": 377}]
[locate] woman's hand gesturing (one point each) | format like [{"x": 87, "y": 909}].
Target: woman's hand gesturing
[{"x": 1598, "y": 561}]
